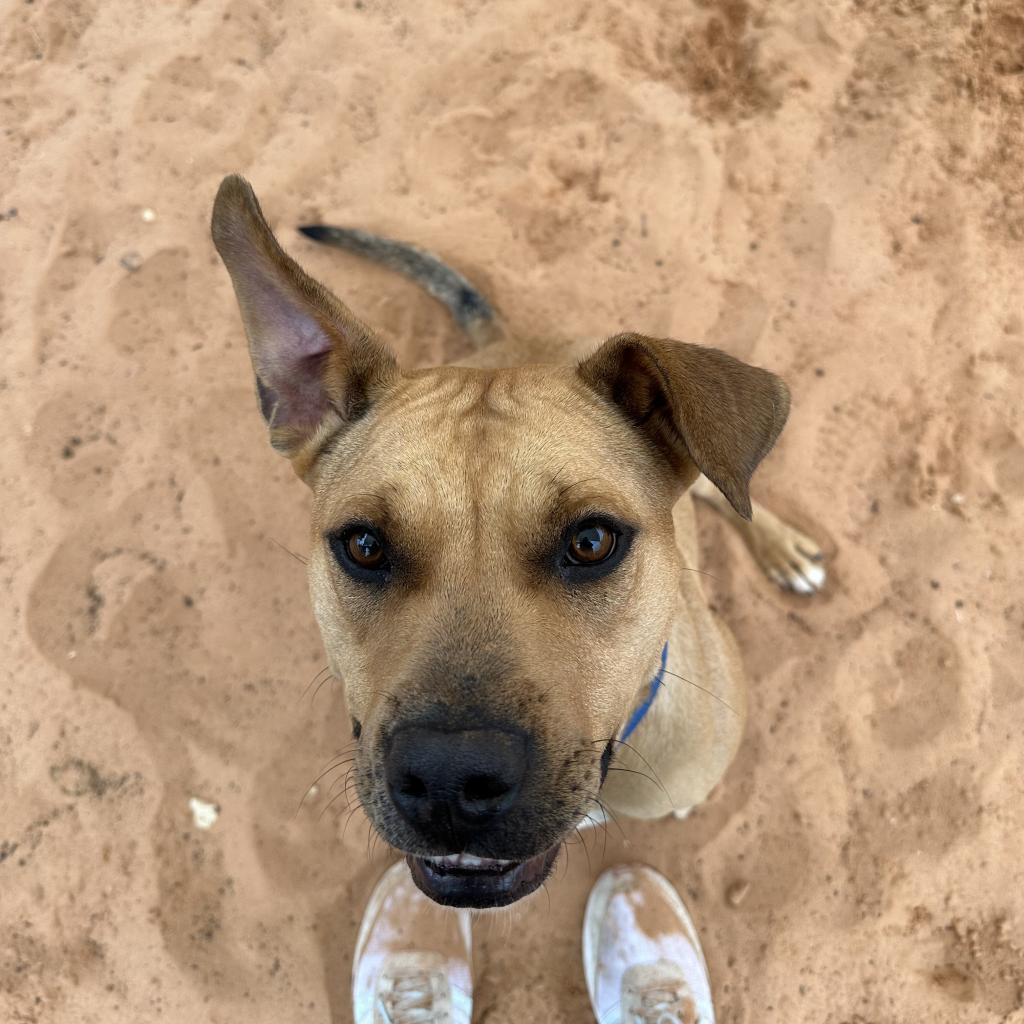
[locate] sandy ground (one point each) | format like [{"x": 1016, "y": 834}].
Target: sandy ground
[{"x": 833, "y": 190}]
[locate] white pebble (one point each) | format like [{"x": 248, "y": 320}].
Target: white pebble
[{"x": 204, "y": 814}]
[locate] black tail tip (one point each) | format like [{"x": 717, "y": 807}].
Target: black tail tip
[{"x": 318, "y": 232}]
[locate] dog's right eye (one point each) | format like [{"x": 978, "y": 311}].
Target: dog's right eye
[
  {"x": 590, "y": 544},
  {"x": 361, "y": 551}
]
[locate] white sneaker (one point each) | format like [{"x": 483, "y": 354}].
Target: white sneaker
[
  {"x": 412, "y": 959},
  {"x": 641, "y": 955}
]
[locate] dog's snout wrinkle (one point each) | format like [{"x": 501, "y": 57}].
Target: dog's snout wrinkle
[{"x": 450, "y": 785}]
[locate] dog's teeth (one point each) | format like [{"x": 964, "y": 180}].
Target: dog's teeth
[
  {"x": 450, "y": 861},
  {"x": 466, "y": 860}
]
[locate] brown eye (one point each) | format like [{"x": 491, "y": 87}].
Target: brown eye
[
  {"x": 364, "y": 547},
  {"x": 590, "y": 544}
]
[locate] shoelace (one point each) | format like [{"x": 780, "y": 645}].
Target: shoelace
[
  {"x": 666, "y": 1006},
  {"x": 411, "y": 1001}
]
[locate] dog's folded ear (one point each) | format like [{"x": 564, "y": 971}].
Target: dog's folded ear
[
  {"x": 318, "y": 367},
  {"x": 697, "y": 405}
]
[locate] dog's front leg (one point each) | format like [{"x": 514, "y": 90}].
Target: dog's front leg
[{"x": 789, "y": 558}]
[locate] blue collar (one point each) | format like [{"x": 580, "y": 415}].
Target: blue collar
[{"x": 638, "y": 715}]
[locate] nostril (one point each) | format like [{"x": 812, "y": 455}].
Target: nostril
[
  {"x": 484, "y": 788},
  {"x": 483, "y": 797},
  {"x": 412, "y": 786}
]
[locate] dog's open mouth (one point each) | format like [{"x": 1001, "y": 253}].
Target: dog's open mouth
[{"x": 461, "y": 880}]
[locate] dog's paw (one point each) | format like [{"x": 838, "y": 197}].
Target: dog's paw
[{"x": 789, "y": 558}]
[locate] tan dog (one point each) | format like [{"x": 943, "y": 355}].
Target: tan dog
[{"x": 500, "y": 556}]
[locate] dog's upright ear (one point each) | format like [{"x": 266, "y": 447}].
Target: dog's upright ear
[
  {"x": 698, "y": 406},
  {"x": 318, "y": 367}
]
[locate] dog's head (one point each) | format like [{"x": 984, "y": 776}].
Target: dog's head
[{"x": 493, "y": 562}]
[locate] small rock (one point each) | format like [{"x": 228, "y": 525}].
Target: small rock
[
  {"x": 149, "y": 215},
  {"x": 737, "y": 893},
  {"x": 204, "y": 815},
  {"x": 131, "y": 261}
]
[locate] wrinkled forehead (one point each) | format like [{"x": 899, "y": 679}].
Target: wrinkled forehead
[{"x": 465, "y": 442}]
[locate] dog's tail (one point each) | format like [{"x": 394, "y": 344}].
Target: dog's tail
[{"x": 470, "y": 310}]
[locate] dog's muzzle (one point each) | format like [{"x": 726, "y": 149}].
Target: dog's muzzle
[{"x": 457, "y": 789}]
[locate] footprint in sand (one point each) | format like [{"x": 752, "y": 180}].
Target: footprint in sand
[
  {"x": 712, "y": 56},
  {"x": 1007, "y": 688},
  {"x": 917, "y": 690},
  {"x": 206, "y": 91},
  {"x": 595, "y": 132},
  {"x": 249, "y": 32},
  {"x": 187, "y": 90},
  {"x": 84, "y": 242},
  {"x": 776, "y": 868},
  {"x": 932, "y": 815},
  {"x": 74, "y": 446},
  {"x": 1007, "y": 453},
  {"x": 742, "y": 318},
  {"x": 924, "y": 820},
  {"x": 981, "y": 964},
  {"x": 912, "y": 684},
  {"x": 151, "y": 309},
  {"x": 195, "y": 895},
  {"x": 807, "y": 233},
  {"x": 112, "y": 614},
  {"x": 837, "y": 454},
  {"x": 50, "y": 32},
  {"x": 86, "y": 611}
]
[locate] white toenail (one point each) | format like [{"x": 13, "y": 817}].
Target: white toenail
[{"x": 815, "y": 575}]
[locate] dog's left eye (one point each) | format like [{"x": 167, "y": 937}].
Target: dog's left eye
[
  {"x": 364, "y": 547},
  {"x": 361, "y": 550},
  {"x": 591, "y": 544}
]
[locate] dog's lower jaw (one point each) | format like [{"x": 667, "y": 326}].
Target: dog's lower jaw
[{"x": 480, "y": 883}]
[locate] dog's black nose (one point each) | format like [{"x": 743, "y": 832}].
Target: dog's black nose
[{"x": 451, "y": 785}]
